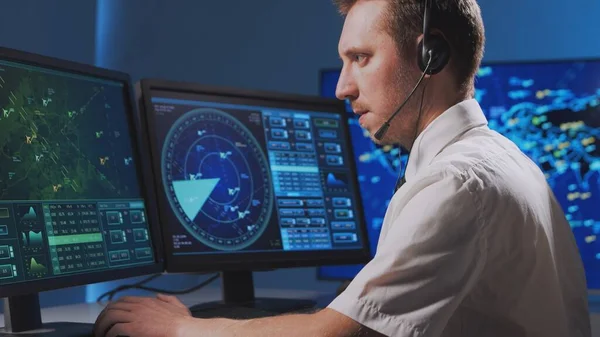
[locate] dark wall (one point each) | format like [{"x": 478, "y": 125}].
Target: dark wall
[
  {"x": 540, "y": 30},
  {"x": 266, "y": 44},
  {"x": 63, "y": 29}
]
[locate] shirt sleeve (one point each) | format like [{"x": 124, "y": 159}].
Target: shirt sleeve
[{"x": 432, "y": 253}]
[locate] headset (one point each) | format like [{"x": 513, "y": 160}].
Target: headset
[
  {"x": 433, "y": 47},
  {"x": 432, "y": 56}
]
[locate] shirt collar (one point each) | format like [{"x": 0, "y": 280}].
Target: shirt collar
[{"x": 452, "y": 123}]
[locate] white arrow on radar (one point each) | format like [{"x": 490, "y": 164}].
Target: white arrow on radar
[{"x": 192, "y": 194}]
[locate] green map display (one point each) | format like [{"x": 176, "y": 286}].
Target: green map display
[{"x": 63, "y": 136}]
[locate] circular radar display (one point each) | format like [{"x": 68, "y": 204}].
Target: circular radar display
[{"x": 217, "y": 179}]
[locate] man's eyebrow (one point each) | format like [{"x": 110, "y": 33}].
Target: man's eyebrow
[{"x": 352, "y": 51}]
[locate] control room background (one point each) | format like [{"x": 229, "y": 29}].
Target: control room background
[{"x": 265, "y": 44}]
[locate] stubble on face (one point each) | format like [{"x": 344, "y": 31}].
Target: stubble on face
[{"x": 378, "y": 83}]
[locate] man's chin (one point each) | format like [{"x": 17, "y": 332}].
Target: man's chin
[
  {"x": 384, "y": 141},
  {"x": 371, "y": 132}
]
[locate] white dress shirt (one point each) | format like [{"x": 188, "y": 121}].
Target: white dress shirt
[{"x": 474, "y": 244}]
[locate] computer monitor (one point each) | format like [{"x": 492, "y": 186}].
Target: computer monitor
[
  {"x": 551, "y": 110},
  {"x": 252, "y": 180},
  {"x": 378, "y": 168},
  {"x": 76, "y": 204}
]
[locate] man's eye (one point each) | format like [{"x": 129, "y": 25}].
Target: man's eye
[{"x": 359, "y": 58}]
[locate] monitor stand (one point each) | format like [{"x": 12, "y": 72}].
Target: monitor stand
[
  {"x": 22, "y": 317},
  {"x": 239, "y": 301}
]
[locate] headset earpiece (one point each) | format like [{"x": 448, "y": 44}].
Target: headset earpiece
[
  {"x": 439, "y": 49},
  {"x": 432, "y": 45}
]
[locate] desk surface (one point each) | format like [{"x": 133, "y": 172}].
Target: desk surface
[{"x": 87, "y": 312}]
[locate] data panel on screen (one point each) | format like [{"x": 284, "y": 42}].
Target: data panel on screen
[
  {"x": 242, "y": 177},
  {"x": 70, "y": 201},
  {"x": 551, "y": 110}
]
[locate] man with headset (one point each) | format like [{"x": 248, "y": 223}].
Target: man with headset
[{"x": 473, "y": 242}]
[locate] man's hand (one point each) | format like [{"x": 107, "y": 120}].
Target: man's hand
[{"x": 164, "y": 316}]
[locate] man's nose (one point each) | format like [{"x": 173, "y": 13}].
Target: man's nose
[{"x": 346, "y": 87}]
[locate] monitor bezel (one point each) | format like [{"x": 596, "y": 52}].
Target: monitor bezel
[
  {"x": 145, "y": 179},
  {"x": 238, "y": 261}
]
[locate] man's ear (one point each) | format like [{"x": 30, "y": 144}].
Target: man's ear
[{"x": 436, "y": 47}]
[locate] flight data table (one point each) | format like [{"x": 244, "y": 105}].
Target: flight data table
[{"x": 48, "y": 239}]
